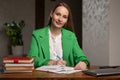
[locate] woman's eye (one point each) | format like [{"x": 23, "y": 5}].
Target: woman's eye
[
  {"x": 65, "y": 17},
  {"x": 58, "y": 14}
]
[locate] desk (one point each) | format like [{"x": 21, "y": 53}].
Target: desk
[{"x": 40, "y": 75}]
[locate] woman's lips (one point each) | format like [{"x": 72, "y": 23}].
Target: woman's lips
[{"x": 59, "y": 23}]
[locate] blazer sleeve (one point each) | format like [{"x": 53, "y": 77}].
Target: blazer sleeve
[{"x": 79, "y": 54}]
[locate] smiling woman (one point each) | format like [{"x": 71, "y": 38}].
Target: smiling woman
[
  {"x": 58, "y": 38},
  {"x": 59, "y": 19}
]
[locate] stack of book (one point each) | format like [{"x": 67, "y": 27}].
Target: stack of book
[{"x": 18, "y": 64}]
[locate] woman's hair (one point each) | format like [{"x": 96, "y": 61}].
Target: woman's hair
[{"x": 69, "y": 25}]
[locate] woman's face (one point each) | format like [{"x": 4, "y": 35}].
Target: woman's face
[{"x": 59, "y": 17}]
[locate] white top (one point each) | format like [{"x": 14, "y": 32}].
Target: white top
[{"x": 55, "y": 47}]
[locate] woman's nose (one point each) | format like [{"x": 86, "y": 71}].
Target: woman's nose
[{"x": 60, "y": 19}]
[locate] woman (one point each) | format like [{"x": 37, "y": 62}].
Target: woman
[{"x": 56, "y": 43}]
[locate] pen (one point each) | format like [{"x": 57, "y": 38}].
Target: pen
[{"x": 58, "y": 57}]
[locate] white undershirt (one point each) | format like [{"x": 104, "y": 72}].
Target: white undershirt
[{"x": 55, "y": 47}]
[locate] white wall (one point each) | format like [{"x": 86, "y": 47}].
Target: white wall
[
  {"x": 114, "y": 19},
  {"x": 96, "y": 31},
  {"x": 16, "y": 10},
  {"x": 101, "y": 40}
]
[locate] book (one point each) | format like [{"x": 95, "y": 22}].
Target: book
[
  {"x": 22, "y": 71},
  {"x": 16, "y": 64},
  {"x": 19, "y": 68},
  {"x": 17, "y": 60}
]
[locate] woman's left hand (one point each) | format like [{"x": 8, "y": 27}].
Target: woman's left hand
[{"x": 81, "y": 66}]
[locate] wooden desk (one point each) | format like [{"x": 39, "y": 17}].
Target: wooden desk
[{"x": 39, "y": 75}]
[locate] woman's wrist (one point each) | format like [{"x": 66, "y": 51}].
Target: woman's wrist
[
  {"x": 86, "y": 63},
  {"x": 52, "y": 62},
  {"x": 81, "y": 65}
]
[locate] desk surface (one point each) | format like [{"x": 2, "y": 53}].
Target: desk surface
[{"x": 40, "y": 75}]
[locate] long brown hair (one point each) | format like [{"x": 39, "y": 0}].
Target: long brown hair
[{"x": 69, "y": 25}]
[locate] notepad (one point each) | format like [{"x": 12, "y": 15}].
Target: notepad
[{"x": 103, "y": 72}]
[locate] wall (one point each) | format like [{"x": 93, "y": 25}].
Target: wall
[
  {"x": 114, "y": 19},
  {"x": 16, "y": 10},
  {"x": 100, "y": 31},
  {"x": 95, "y": 31}
]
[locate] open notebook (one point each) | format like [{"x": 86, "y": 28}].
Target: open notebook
[{"x": 103, "y": 72}]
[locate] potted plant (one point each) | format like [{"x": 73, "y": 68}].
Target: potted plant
[{"x": 14, "y": 31}]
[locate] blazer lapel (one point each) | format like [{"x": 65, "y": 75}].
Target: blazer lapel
[
  {"x": 44, "y": 38},
  {"x": 66, "y": 44}
]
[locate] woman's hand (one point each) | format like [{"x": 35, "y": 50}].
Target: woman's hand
[
  {"x": 61, "y": 62},
  {"x": 81, "y": 66},
  {"x": 52, "y": 62},
  {"x": 58, "y": 62}
]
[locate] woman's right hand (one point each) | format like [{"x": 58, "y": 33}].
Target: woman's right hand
[
  {"x": 52, "y": 62},
  {"x": 61, "y": 62},
  {"x": 58, "y": 62}
]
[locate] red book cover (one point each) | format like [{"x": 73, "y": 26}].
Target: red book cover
[{"x": 17, "y": 60}]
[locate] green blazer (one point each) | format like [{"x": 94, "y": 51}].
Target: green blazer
[{"x": 39, "y": 49}]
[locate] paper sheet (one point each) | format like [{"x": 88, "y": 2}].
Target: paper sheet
[{"x": 58, "y": 69}]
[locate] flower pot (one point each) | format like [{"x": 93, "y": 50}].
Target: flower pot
[{"x": 17, "y": 50}]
